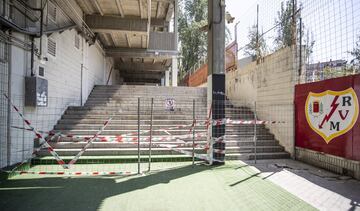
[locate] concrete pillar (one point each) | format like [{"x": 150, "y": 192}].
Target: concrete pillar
[
  {"x": 174, "y": 65},
  {"x": 216, "y": 78},
  {"x": 174, "y": 73},
  {"x": 167, "y": 78}
]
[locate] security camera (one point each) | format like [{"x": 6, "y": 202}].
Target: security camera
[{"x": 229, "y": 18}]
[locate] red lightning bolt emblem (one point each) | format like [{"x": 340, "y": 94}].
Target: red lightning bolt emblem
[{"x": 334, "y": 106}]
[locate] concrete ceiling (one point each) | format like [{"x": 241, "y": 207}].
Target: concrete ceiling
[{"x": 124, "y": 27}]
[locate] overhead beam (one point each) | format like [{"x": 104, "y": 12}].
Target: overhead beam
[
  {"x": 139, "y": 53},
  {"x": 158, "y": 8},
  {"x": 115, "y": 41},
  {"x": 142, "y": 75},
  {"x": 139, "y": 66},
  {"x": 169, "y": 12},
  {"x": 128, "y": 40},
  {"x": 149, "y": 22},
  {"x": 120, "y": 8},
  {"x": 105, "y": 23},
  {"x": 98, "y": 7},
  {"x": 141, "y": 9}
]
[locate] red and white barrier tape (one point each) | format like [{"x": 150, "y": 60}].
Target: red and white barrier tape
[
  {"x": 38, "y": 135},
  {"x": 243, "y": 122},
  {"x": 78, "y": 173},
  {"x": 106, "y": 123}
]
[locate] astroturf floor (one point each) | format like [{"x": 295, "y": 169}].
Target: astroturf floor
[{"x": 171, "y": 186}]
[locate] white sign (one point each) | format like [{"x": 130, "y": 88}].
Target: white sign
[{"x": 170, "y": 104}]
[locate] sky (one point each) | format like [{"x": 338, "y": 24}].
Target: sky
[{"x": 333, "y": 24}]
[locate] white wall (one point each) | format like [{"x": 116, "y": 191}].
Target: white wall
[
  {"x": 63, "y": 73},
  {"x": 271, "y": 85}
]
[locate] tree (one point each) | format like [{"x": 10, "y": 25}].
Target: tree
[
  {"x": 284, "y": 22},
  {"x": 355, "y": 62},
  {"x": 192, "y": 37},
  {"x": 286, "y": 27},
  {"x": 193, "y": 41},
  {"x": 253, "y": 48}
]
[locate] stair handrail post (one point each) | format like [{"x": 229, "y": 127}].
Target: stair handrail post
[
  {"x": 151, "y": 128},
  {"x": 193, "y": 134},
  {"x": 138, "y": 134},
  {"x": 255, "y": 132}
]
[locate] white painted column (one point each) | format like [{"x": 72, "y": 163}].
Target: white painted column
[
  {"x": 167, "y": 78},
  {"x": 174, "y": 74}
]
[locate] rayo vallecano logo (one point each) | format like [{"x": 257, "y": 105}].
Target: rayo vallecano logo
[{"x": 331, "y": 113}]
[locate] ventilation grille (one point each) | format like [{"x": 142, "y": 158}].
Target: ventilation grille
[
  {"x": 51, "y": 47},
  {"x": 41, "y": 71}
]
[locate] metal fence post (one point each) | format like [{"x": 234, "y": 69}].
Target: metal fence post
[
  {"x": 151, "y": 127},
  {"x": 255, "y": 132},
  {"x": 138, "y": 144},
  {"x": 193, "y": 134}
]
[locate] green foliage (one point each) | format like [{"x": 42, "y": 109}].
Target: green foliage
[
  {"x": 193, "y": 39},
  {"x": 251, "y": 49},
  {"x": 285, "y": 29},
  {"x": 284, "y": 22},
  {"x": 192, "y": 16},
  {"x": 356, "y": 54}
]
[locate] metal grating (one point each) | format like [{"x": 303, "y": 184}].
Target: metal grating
[{"x": 51, "y": 47}]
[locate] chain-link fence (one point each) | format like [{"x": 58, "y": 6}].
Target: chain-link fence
[
  {"x": 325, "y": 36},
  {"x": 127, "y": 135}
]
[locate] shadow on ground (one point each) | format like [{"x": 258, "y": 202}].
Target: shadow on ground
[{"x": 79, "y": 193}]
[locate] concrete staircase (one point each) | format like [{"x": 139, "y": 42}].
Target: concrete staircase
[{"x": 121, "y": 102}]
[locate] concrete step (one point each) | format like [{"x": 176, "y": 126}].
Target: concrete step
[
  {"x": 166, "y": 116},
  {"x": 156, "y": 151},
  {"x": 118, "y": 159},
  {"x": 133, "y": 112},
  {"x": 98, "y": 144},
  {"x": 121, "y": 126},
  {"x": 127, "y": 122},
  {"x": 259, "y": 156},
  {"x": 119, "y": 132},
  {"x": 113, "y": 126},
  {"x": 117, "y": 151}
]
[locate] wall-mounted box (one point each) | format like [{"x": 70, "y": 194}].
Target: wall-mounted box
[{"x": 36, "y": 92}]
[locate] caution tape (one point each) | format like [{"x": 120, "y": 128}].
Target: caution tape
[
  {"x": 106, "y": 123},
  {"x": 224, "y": 121},
  {"x": 78, "y": 173},
  {"x": 119, "y": 138},
  {"x": 39, "y": 136}
]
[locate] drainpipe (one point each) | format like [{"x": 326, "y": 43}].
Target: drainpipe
[
  {"x": 41, "y": 27},
  {"x": 32, "y": 56}
]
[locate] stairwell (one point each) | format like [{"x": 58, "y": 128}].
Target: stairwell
[{"x": 121, "y": 102}]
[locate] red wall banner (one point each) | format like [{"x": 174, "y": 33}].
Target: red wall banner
[{"x": 327, "y": 116}]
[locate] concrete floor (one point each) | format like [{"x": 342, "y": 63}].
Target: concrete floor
[
  {"x": 272, "y": 185},
  {"x": 320, "y": 188}
]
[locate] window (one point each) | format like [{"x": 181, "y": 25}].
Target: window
[
  {"x": 51, "y": 11},
  {"x": 51, "y": 47},
  {"x": 41, "y": 72},
  {"x": 77, "y": 41}
]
